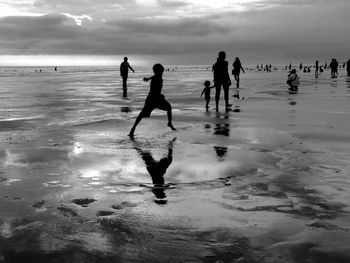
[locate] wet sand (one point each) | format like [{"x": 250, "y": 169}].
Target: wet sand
[{"x": 266, "y": 182}]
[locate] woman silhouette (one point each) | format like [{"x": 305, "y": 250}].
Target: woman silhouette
[
  {"x": 237, "y": 67},
  {"x": 221, "y": 78}
]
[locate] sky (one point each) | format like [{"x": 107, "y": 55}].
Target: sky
[{"x": 90, "y": 32}]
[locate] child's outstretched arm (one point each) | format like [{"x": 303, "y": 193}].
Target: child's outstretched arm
[
  {"x": 202, "y": 92},
  {"x": 147, "y": 79}
]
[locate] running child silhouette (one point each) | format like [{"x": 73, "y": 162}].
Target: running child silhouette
[
  {"x": 206, "y": 92},
  {"x": 154, "y": 99}
]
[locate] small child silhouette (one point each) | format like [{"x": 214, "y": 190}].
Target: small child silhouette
[
  {"x": 154, "y": 99},
  {"x": 206, "y": 92}
]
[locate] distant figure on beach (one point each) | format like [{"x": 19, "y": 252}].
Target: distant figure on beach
[
  {"x": 290, "y": 66},
  {"x": 334, "y": 68},
  {"x": 206, "y": 92},
  {"x": 348, "y": 67},
  {"x": 316, "y": 69},
  {"x": 154, "y": 99},
  {"x": 221, "y": 78},
  {"x": 124, "y": 71},
  {"x": 55, "y": 68},
  {"x": 237, "y": 67},
  {"x": 293, "y": 80},
  {"x": 157, "y": 170}
]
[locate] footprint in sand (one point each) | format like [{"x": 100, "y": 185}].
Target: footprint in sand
[
  {"x": 124, "y": 205},
  {"x": 39, "y": 206},
  {"x": 13, "y": 198},
  {"x": 84, "y": 202},
  {"x": 66, "y": 211},
  {"x": 105, "y": 213}
]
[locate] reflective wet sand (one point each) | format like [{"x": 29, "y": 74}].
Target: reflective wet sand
[{"x": 267, "y": 181}]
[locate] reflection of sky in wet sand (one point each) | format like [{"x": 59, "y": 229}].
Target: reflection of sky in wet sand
[{"x": 238, "y": 177}]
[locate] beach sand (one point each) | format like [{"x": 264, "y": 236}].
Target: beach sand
[{"x": 267, "y": 181}]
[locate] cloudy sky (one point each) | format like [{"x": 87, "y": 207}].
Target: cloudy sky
[{"x": 173, "y": 31}]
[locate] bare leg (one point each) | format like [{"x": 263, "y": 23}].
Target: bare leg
[
  {"x": 217, "y": 95},
  {"x": 137, "y": 121},
  {"x": 125, "y": 87},
  {"x": 226, "y": 89},
  {"x": 237, "y": 80},
  {"x": 125, "y": 78},
  {"x": 170, "y": 116}
]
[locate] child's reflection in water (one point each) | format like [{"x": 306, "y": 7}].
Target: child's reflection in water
[{"x": 157, "y": 169}]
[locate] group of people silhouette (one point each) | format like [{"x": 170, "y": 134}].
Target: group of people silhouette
[
  {"x": 221, "y": 77},
  {"x": 156, "y": 99}
]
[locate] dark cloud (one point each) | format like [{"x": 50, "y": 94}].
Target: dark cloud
[
  {"x": 174, "y": 27},
  {"x": 286, "y": 29},
  {"x": 54, "y": 34}
]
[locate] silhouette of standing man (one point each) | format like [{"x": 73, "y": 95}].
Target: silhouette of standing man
[
  {"x": 334, "y": 68},
  {"x": 124, "y": 70},
  {"x": 221, "y": 78}
]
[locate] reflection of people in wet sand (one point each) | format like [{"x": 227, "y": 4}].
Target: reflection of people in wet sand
[
  {"x": 157, "y": 169},
  {"x": 334, "y": 68},
  {"x": 237, "y": 67},
  {"x": 206, "y": 92},
  {"x": 154, "y": 99},
  {"x": 223, "y": 126},
  {"x": 293, "y": 80},
  {"x": 221, "y": 152},
  {"x": 124, "y": 71},
  {"x": 221, "y": 78},
  {"x": 236, "y": 95}
]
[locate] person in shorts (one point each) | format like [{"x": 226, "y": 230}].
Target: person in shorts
[{"x": 154, "y": 100}]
